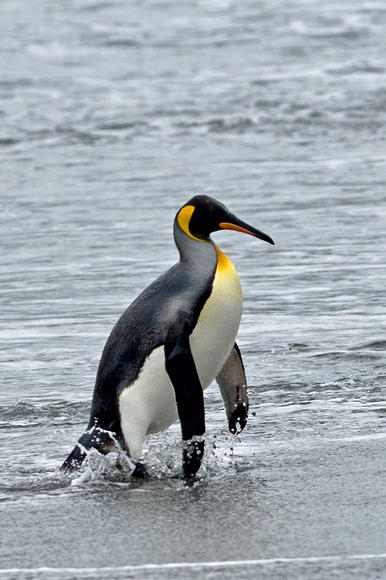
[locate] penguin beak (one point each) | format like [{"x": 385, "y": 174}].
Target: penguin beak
[{"x": 240, "y": 226}]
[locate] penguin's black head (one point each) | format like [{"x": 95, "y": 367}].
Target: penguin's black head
[{"x": 202, "y": 215}]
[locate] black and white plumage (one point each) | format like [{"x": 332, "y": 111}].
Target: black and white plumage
[{"x": 169, "y": 345}]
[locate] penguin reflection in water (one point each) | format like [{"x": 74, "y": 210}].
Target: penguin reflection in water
[{"x": 169, "y": 345}]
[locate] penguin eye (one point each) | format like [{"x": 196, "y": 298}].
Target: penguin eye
[
  {"x": 203, "y": 222},
  {"x": 200, "y": 220}
]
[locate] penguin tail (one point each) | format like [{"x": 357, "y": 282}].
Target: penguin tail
[{"x": 96, "y": 438}]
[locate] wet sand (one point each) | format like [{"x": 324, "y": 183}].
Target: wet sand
[{"x": 307, "y": 512}]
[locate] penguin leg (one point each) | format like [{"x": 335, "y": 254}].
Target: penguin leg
[
  {"x": 95, "y": 437},
  {"x": 182, "y": 372},
  {"x": 233, "y": 386}
]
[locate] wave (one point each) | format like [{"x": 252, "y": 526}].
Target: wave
[
  {"x": 24, "y": 413},
  {"x": 378, "y": 345},
  {"x": 343, "y": 355}
]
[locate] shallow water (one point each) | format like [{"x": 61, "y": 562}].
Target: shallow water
[{"x": 112, "y": 116}]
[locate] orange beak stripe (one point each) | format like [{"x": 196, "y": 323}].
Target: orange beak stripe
[{"x": 228, "y": 226}]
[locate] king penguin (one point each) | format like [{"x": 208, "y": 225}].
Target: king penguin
[{"x": 170, "y": 344}]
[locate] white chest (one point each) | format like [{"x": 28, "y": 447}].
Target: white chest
[{"x": 216, "y": 330}]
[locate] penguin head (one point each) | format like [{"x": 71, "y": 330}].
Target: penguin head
[{"x": 202, "y": 215}]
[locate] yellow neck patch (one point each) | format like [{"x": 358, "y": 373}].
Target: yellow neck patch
[
  {"x": 224, "y": 264},
  {"x": 183, "y": 220}
]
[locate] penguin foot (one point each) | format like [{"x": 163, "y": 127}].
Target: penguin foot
[
  {"x": 74, "y": 460},
  {"x": 94, "y": 438},
  {"x": 140, "y": 472},
  {"x": 191, "y": 482},
  {"x": 193, "y": 452}
]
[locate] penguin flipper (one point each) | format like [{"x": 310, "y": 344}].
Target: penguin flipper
[
  {"x": 182, "y": 372},
  {"x": 95, "y": 437},
  {"x": 233, "y": 386}
]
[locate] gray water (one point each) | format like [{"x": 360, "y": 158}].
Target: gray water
[{"x": 112, "y": 115}]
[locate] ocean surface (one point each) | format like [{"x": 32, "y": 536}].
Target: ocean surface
[{"x": 112, "y": 115}]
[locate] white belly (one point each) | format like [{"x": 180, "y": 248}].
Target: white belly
[{"x": 149, "y": 405}]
